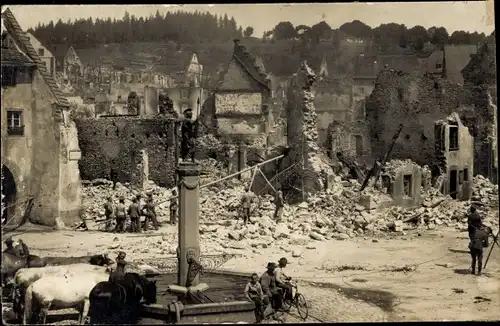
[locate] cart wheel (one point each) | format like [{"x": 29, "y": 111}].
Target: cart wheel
[{"x": 301, "y": 304}]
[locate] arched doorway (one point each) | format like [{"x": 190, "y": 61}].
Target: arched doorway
[{"x": 9, "y": 193}]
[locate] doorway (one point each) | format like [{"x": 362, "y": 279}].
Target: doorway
[
  {"x": 9, "y": 193},
  {"x": 453, "y": 184}
]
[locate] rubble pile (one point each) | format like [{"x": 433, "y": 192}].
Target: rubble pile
[{"x": 338, "y": 213}]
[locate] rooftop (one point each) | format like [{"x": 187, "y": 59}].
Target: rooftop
[{"x": 16, "y": 32}]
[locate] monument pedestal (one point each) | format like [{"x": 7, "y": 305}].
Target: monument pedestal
[{"x": 189, "y": 236}]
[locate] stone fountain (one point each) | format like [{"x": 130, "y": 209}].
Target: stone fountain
[{"x": 191, "y": 290}]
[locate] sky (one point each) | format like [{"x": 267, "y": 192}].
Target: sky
[{"x": 458, "y": 15}]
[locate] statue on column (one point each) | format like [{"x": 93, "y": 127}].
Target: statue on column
[{"x": 189, "y": 132}]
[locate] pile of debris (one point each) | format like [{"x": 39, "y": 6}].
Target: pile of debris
[{"x": 341, "y": 212}]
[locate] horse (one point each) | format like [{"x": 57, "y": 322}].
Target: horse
[
  {"x": 27, "y": 276},
  {"x": 119, "y": 302},
  {"x": 61, "y": 292}
]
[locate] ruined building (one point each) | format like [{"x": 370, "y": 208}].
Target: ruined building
[
  {"x": 242, "y": 100},
  {"x": 415, "y": 100},
  {"x": 309, "y": 169},
  {"x": 40, "y": 149},
  {"x": 454, "y": 157}
]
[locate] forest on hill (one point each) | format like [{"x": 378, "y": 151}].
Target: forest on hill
[
  {"x": 281, "y": 48},
  {"x": 203, "y": 27}
]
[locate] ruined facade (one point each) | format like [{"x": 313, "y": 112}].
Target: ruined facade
[
  {"x": 308, "y": 160},
  {"x": 455, "y": 156},
  {"x": 40, "y": 150},
  {"x": 415, "y": 100},
  {"x": 126, "y": 141},
  {"x": 242, "y": 100},
  {"x": 403, "y": 180}
]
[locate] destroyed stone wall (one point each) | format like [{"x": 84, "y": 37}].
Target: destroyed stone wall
[
  {"x": 405, "y": 179},
  {"x": 122, "y": 139},
  {"x": 416, "y": 100},
  {"x": 457, "y": 163},
  {"x": 305, "y": 155}
]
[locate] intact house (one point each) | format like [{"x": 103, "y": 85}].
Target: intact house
[
  {"x": 40, "y": 149},
  {"x": 45, "y": 55},
  {"x": 242, "y": 100},
  {"x": 455, "y": 156}
]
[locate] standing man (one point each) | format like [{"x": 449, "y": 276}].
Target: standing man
[
  {"x": 108, "y": 211},
  {"x": 173, "y": 207},
  {"x": 150, "y": 214},
  {"x": 474, "y": 222},
  {"x": 113, "y": 174},
  {"x": 142, "y": 207},
  {"x": 120, "y": 214},
  {"x": 133, "y": 212},
  {"x": 246, "y": 203},
  {"x": 282, "y": 281},
  {"x": 476, "y": 246},
  {"x": 279, "y": 203},
  {"x": 118, "y": 274}
]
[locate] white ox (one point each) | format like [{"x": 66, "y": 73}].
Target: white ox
[{"x": 61, "y": 292}]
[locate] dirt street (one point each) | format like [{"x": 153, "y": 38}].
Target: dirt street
[{"x": 397, "y": 278}]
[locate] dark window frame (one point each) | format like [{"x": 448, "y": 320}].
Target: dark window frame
[
  {"x": 9, "y": 76},
  {"x": 408, "y": 185},
  {"x": 453, "y": 138},
  {"x": 15, "y": 129},
  {"x": 41, "y": 52}
]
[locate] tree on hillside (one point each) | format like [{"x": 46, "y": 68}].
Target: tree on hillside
[
  {"x": 357, "y": 29},
  {"x": 417, "y": 36},
  {"x": 387, "y": 35},
  {"x": 491, "y": 38},
  {"x": 284, "y": 31},
  {"x": 459, "y": 37},
  {"x": 438, "y": 35},
  {"x": 248, "y": 31},
  {"x": 320, "y": 31}
]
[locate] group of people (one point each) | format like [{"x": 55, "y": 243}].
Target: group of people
[
  {"x": 478, "y": 236},
  {"x": 267, "y": 291},
  {"x": 135, "y": 211},
  {"x": 249, "y": 197}
]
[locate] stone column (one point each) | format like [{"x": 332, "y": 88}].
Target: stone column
[{"x": 189, "y": 236}]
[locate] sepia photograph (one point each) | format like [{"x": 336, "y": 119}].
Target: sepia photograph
[{"x": 249, "y": 163}]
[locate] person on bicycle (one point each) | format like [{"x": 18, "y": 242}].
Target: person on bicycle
[
  {"x": 283, "y": 281},
  {"x": 268, "y": 283},
  {"x": 253, "y": 292}
]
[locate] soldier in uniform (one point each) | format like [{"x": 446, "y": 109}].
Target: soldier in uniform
[{"x": 173, "y": 208}]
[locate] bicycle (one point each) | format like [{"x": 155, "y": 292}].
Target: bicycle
[{"x": 298, "y": 301}]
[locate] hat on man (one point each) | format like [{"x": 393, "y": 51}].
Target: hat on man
[
  {"x": 283, "y": 260},
  {"x": 9, "y": 240},
  {"x": 271, "y": 265}
]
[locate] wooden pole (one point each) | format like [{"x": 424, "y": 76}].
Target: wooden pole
[
  {"x": 269, "y": 183},
  {"x": 230, "y": 176}
]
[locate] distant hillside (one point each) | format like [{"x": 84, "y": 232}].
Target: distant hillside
[{"x": 281, "y": 58}]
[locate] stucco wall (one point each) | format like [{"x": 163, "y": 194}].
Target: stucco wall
[
  {"x": 416, "y": 101},
  {"x": 398, "y": 192},
  {"x": 190, "y": 102},
  {"x": 458, "y": 160},
  {"x": 241, "y": 107},
  {"x": 70, "y": 200},
  {"x": 122, "y": 138},
  {"x": 238, "y": 103},
  {"x": 17, "y": 151}
]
